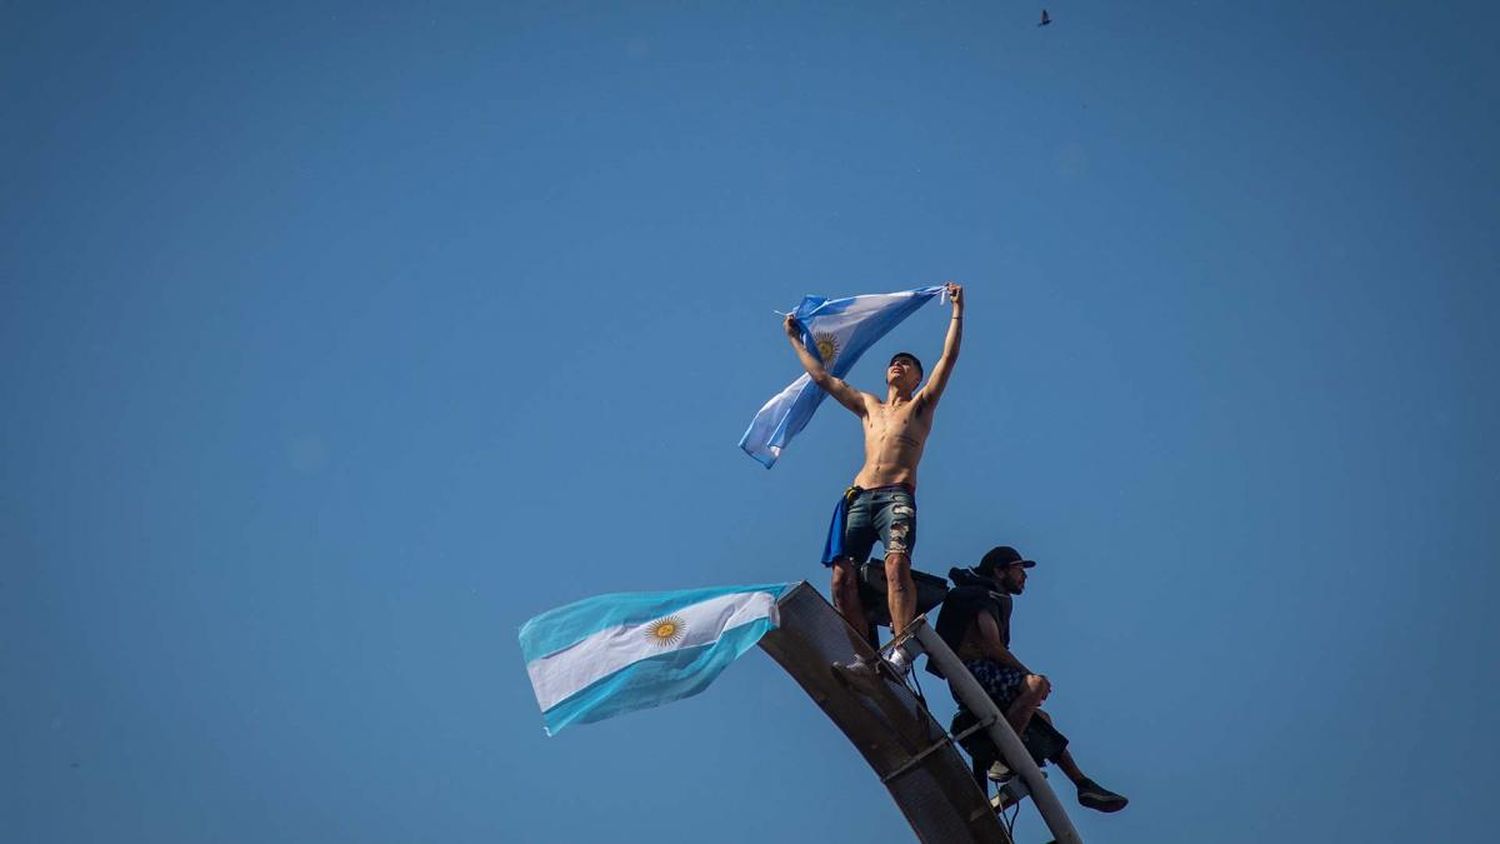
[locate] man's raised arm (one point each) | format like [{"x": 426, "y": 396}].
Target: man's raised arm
[
  {"x": 944, "y": 368},
  {"x": 836, "y": 387}
]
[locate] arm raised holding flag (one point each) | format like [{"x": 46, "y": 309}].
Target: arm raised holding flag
[
  {"x": 833, "y": 385},
  {"x": 944, "y": 367},
  {"x": 881, "y": 504}
]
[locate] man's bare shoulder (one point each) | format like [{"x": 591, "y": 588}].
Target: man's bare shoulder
[{"x": 922, "y": 404}]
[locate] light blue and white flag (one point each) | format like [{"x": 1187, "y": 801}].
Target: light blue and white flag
[
  {"x": 613, "y": 654},
  {"x": 837, "y": 331}
]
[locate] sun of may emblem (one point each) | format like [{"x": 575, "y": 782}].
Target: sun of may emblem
[
  {"x": 828, "y": 347},
  {"x": 668, "y": 631}
]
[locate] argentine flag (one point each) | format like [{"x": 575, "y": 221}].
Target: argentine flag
[
  {"x": 618, "y": 653},
  {"x": 837, "y": 332}
]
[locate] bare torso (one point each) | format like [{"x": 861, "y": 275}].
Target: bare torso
[
  {"x": 895, "y": 434},
  {"x": 972, "y": 646}
]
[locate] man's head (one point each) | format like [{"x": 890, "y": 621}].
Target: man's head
[
  {"x": 1006, "y": 567},
  {"x": 904, "y": 371}
]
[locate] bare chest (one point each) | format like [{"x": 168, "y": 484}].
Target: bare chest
[{"x": 898, "y": 420}]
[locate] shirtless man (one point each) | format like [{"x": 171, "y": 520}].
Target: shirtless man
[{"x": 882, "y": 502}]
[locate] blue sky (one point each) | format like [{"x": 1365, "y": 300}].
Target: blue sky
[{"x": 338, "y": 339}]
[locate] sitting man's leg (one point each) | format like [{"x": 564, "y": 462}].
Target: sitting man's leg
[
  {"x": 1031, "y": 690},
  {"x": 1006, "y": 686},
  {"x": 1091, "y": 794},
  {"x": 1021, "y": 698}
]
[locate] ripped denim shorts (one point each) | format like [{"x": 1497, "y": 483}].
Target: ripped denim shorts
[{"x": 887, "y": 513}]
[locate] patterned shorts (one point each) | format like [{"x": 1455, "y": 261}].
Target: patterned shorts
[{"x": 1001, "y": 682}]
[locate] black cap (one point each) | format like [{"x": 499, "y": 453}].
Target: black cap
[
  {"x": 911, "y": 357},
  {"x": 1002, "y": 556}
]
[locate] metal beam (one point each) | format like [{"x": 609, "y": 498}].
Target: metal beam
[{"x": 909, "y": 752}]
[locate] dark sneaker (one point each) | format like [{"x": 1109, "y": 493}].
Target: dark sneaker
[{"x": 1092, "y": 795}]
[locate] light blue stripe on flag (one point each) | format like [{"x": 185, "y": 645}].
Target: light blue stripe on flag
[
  {"x": 615, "y": 653},
  {"x": 656, "y": 680},
  {"x": 840, "y": 329},
  {"x": 558, "y": 628}
]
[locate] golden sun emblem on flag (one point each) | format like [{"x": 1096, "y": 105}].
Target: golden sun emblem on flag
[
  {"x": 668, "y": 631},
  {"x": 828, "y": 347}
]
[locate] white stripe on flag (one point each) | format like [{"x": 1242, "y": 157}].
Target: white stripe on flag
[{"x": 560, "y": 675}]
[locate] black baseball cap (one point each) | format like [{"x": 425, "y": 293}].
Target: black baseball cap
[
  {"x": 1002, "y": 556},
  {"x": 911, "y": 357}
]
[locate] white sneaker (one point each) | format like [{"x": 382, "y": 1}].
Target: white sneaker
[
  {"x": 901, "y": 661},
  {"x": 999, "y": 773}
]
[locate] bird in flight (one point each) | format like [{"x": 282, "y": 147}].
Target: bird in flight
[{"x": 1046, "y": 18}]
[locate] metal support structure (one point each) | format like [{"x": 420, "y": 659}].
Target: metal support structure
[
  {"x": 917, "y": 763},
  {"x": 973, "y": 695}
]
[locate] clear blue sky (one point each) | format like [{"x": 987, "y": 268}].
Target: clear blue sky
[{"x": 337, "y": 339}]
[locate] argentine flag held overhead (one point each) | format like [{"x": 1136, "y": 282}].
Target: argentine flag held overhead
[
  {"x": 837, "y": 332},
  {"x": 612, "y": 654}
]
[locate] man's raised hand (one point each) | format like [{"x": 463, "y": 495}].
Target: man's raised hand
[
  {"x": 955, "y": 293},
  {"x": 792, "y": 327}
]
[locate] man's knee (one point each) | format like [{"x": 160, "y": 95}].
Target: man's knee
[
  {"x": 1035, "y": 687},
  {"x": 898, "y": 572}
]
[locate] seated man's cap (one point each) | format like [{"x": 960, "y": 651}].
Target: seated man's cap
[{"x": 1002, "y": 556}]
